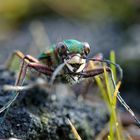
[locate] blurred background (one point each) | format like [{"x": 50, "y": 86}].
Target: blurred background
[{"x": 32, "y": 25}]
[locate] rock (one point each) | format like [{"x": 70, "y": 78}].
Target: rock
[{"x": 36, "y": 114}]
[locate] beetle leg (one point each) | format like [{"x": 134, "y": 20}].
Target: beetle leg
[
  {"x": 31, "y": 58},
  {"x": 17, "y": 53},
  {"x": 35, "y": 64},
  {"x": 108, "y": 62},
  {"x": 89, "y": 74},
  {"x": 31, "y": 61},
  {"x": 40, "y": 68},
  {"x": 22, "y": 73},
  {"x": 94, "y": 72},
  {"x": 18, "y": 82},
  {"x": 20, "y": 55}
]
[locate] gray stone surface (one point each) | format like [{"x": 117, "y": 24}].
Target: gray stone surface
[{"x": 36, "y": 114}]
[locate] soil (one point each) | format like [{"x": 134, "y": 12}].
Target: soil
[{"x": 37, "y": 114}]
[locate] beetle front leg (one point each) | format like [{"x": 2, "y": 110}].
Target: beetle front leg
[
  {"x": 40, "y": 68},
  {"x": 89, "y": 74},
  {"x": 94, "y": 72},
  {"x": 22, "y": 73}
]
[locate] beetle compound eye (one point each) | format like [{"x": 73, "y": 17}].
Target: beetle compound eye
[
  {"x": 86, "y": 48},
  {"x": 61, "y": 48}
]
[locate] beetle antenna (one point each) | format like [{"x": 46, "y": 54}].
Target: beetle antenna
[
  {"x": 117, "y": 67},
  {"x": 124, "y": 103}
]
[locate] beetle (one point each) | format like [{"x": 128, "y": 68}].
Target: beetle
[
  {"x": 71, "y": 52},
  {"x": 72, "y": 56}
]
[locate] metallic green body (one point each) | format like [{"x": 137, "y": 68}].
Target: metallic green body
[
  {"x": 50, "y": 58},
  {"x": 74, "y": 46}
]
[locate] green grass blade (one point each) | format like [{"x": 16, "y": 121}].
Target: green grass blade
[
  {"x": 110, "y": 98},
  {"x": 113, "y": 68}
]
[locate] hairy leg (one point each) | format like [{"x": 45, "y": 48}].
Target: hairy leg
[
  {"x": 27, "y": 61},
  {"x": 17, "y": 53},
  {"x": 21, "y": 56}
]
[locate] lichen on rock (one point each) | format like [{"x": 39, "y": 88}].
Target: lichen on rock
[{"x": 37, "y": 114}]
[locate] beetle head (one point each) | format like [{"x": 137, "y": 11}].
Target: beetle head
[{"x": 73, "y": 53}]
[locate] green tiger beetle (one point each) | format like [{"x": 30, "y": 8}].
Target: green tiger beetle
[{"x": 72, "y": 55}]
